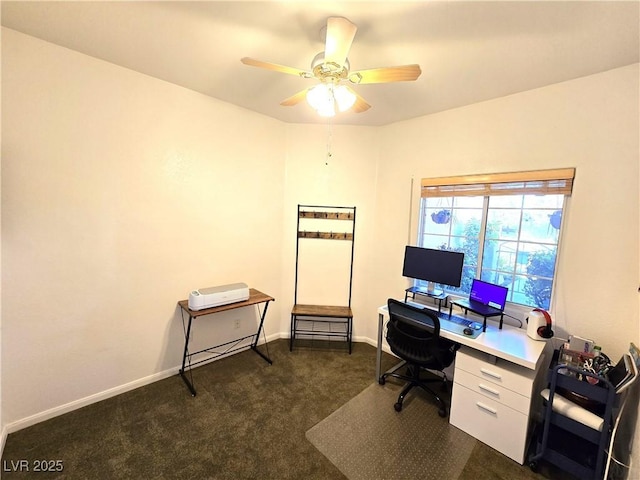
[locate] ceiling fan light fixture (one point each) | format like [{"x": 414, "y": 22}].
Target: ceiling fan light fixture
[
  {"x": 345, "y": 98},
  {"x": 321, "y": 99},
  {"x": 326, "y": 98}
]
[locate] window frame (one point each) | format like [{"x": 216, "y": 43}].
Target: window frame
[{"x": 538, "y": 182}]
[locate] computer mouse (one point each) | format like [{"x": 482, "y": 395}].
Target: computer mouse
[{"x": 467, "y": 331}]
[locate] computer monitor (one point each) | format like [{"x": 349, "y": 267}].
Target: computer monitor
[{"x": 433, "y": 266}]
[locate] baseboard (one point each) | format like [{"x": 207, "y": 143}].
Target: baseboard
[
  {"x": 97, "y": 397},
  {"x": 112, "y": 392},
  {"x": 83, "y": 402},
  {"x": 3, "y": 439},
  {"x": 373, "y": 343}
]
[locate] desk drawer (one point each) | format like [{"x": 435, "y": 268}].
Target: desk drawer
[
  {"x": 497, "y": 425},
  {"x": 493, "y": 391},
  {"x": 514, "y": 377}
]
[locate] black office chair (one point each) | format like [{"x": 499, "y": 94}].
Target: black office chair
[{"x": 413, "y": 334}]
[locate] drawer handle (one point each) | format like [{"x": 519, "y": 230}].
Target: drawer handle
[
  {"x": 491, "y": 374},
  {"x": 487, "y": 389},
  {"x": 487, "y": 408}
]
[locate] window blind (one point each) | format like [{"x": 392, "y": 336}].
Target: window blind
[{"x": 535, "y": 182}]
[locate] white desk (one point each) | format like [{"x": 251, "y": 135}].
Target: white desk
[{"x": 497, "y": 377}]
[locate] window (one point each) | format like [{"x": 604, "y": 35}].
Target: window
[{"x": 507, "y": 225}]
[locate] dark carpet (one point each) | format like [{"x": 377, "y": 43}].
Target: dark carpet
[
  {"x": 248, "y": 420},
  {"x": 366, "y": 438}
]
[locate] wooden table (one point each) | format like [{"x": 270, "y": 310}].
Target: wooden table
[{"x": 255, "y": 298}]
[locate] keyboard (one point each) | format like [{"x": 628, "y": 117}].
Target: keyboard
[
  {"x": 453, "y": 323},
  {"x": 455, "y": 319}
]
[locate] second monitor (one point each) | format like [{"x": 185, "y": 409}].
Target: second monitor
[{"x": 433, "y": 266}]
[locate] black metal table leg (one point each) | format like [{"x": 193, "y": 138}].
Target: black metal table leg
[
  {"x": 254, "y": 347},
  {"x": 185, "y": 355}
]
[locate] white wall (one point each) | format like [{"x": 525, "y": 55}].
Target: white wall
[
  {"x": 120, "y": 194},
  {"x": 590, "y": 124},
  {"x": 346, "y": 178}
]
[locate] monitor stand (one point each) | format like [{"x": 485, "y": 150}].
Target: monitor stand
[{"x": 431, "y": 290}]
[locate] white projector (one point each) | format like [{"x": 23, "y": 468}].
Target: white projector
[{"x": 216, "y": 296}]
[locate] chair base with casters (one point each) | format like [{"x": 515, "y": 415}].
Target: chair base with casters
[{"x": 413, "y": 380}]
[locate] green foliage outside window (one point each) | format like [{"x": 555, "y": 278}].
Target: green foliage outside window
[{"x": 540, "y": 269}]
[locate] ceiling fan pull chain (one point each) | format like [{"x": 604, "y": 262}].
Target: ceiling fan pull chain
[{"x": 329, "y": 139}]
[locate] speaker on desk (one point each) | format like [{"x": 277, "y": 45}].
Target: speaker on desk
[{"x": 539, "y": 324}]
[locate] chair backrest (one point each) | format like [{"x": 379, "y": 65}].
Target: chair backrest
[
  {"x": 414, "y": 335},
  {"x": 419, "y": 318}
]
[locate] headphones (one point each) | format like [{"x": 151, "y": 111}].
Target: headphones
[{"x": 545, "y": 331}]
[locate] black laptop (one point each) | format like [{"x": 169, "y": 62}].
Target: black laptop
[{"x": 486, "y": 299}]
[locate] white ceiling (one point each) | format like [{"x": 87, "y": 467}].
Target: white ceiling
[{"x": 468, "y": 51}]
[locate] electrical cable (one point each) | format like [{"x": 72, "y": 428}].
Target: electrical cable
[
  {"x": 515, "y": 318},
  {"x": 609, "y": 451}
]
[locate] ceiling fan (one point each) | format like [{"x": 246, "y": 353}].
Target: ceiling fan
[{"x": 332, "y": 67}]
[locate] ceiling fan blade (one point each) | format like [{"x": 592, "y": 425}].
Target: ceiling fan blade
[
  {"x": 360, "y": 105},
  {"x": 340, "y": 35},
  {"x": 403, "y": 73},
  {"x": 295, "y": 99},
  {"x": 275, "y": 67}
]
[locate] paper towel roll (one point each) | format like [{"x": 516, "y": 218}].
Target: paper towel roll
[{"x": 574, "y": 411}]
